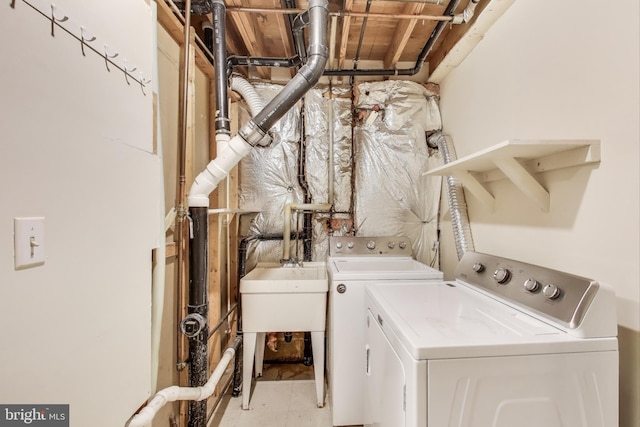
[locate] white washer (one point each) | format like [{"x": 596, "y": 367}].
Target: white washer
[
  {"x": 353, "y": 263},
  {"x": 506, "y": 344}
]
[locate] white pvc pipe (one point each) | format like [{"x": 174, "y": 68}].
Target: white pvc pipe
[
  {"x": 173, "y": 393},
  {"x": 216, "y": 171},
  {"x": 287, "y": 222}
]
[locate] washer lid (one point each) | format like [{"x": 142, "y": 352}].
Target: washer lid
[
  {"x": 449, "y": 320},
  {"x": 381, "y": 268}
]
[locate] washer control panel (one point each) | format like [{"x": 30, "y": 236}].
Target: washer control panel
[
  {"x": 349, "y": 246},
  {"x": 555, "y": 294}
]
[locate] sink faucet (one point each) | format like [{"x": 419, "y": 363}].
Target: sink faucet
[{"x": 291, "y": 262}]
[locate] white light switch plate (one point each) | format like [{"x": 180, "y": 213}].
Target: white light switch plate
[{"x": 28, "y": 242}]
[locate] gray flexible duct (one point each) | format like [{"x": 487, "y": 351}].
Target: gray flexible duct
[{"x": 455, "y": 195}]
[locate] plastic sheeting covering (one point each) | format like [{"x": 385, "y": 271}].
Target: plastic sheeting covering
[{"x": 392, "y": 196}]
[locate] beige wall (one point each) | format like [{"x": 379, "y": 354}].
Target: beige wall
[
  {"x": 555, "y": 70},
  {"x": 77, "y": 149}
]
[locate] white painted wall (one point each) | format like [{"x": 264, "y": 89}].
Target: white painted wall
[
  {"x": 569, "y": 69},
  {"x": 77, "y": 148}
]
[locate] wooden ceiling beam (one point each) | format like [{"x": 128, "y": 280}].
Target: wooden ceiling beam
[
  {"x": 246, "y": 28},
  {"x": 344, "y": 38},
  {"x": 402, "y": 34}
]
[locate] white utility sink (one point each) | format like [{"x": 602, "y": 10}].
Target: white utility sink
[{"x": 283, "y": 299}]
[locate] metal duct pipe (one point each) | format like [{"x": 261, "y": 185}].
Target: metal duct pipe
[
  {"x": 252, "y": 132},
  {"x": 222, "y": 122},
  {"x": 308, "y": 75},
  {"x": 455, "y": 195}
]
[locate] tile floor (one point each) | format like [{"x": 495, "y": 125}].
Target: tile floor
[{"x": 284, "y": 396}]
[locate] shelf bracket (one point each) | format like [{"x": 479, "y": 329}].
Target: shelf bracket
[
  {"x": 476, "y": 188},
  {"x": 524, "y": 181}
]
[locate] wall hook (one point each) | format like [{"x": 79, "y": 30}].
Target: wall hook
[
  {"x": 55, "y": 20},
  {"x": 107, "y": 57},
  {"x": 143, "y": 83},
  {"x": 84, "y": 40},
  {"x": 127, "y": 71}
]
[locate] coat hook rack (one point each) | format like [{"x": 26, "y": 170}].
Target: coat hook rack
[
  {"x": 55, "y": 20},
  {"x": 107, "y": 57},
  {"x": 83, "y": 36},
  {"x": 84, "y": 40}
]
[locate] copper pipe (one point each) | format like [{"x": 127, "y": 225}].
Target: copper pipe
[{"x": 181, "y": 223}]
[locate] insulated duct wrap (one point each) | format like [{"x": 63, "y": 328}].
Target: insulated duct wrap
[
  {"x": 269, "y": 175},
  {"x": 328, "y": 118},
  {"x": 269, "y": 180},
  {"x": 455, "y": 195},
  {"x": 391, "y": 154},
  {"x": 392, "y": 196}
]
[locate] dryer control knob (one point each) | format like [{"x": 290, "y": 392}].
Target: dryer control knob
[
  {"x": 391, "y": 245},
  {"x": 402, "y": 245},
  {"x": 350, "y": 245},
  {"x": 532, "y": 285},
  {"x": 502, "y": 275},
  {"x": 478, "y": 267},
  {"x": 341, "y": 288},
  {"x": 371, "y": 245},
  {"x": 339, "y": 245},
  {"x": 551, "y": 291}
]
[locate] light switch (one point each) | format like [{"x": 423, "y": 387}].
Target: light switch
[{"x": 28, "y": 242}]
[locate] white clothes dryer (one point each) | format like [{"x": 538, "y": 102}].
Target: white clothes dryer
[
  {"x": 505, "y": 344},
  {"x": 353, "y": 263}
]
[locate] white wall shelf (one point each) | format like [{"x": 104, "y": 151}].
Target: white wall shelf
[{"x": 519, "y": 160}]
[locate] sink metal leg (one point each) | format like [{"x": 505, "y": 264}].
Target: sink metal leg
[
  {"x": 260, "y": 352},
  {"x": 317, "y": 343},
  {"x": 249, "y": 344}
]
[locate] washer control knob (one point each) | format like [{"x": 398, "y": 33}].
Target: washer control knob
[
  {"x": 502, "y": 275},
  {"x": 341, "y": 288},
  {"x": 339, "y": 245},
  {"x": 532, "y": 285},
  {"x": 391, "y": 245},
  {"x": 478, "y": 267},
  {"x": 402, "y": 245},
  {"x": 551, "y": 291},
  {"x": 350, "y": 245},
  {"x": 371, "y": 245}
]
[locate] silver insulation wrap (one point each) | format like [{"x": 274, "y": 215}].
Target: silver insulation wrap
[
  {"x": 377, "y": 168},
  {"x": 269, "y": 180},
  {"x": 391, "y": 154}
]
